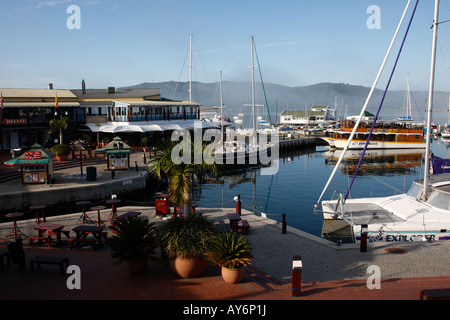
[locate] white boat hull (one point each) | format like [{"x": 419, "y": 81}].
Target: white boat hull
[
  {"x": 358, "y": 144},
  {"x": 398, "y": 218}
]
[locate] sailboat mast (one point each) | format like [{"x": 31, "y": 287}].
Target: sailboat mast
[
  {"x": 430, "y": 98},
  {"x": 221, "y": 104},
  {"x": 253, "y": 86},
  {"x": 190, "y": 68}
]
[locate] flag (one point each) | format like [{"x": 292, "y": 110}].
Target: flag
[
  {"x": 439, "y": 165},
  {"x": 56, "y": 100}
]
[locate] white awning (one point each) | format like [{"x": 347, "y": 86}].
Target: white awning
[{"x": 142, "y": 127}]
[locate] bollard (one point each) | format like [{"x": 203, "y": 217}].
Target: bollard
[
  {"x": 145, "y": 159},
  {"x": 238, "y": 204},
  {"x": 364, "y": 232},
  {"x": 113, "y": 172},
  {"x": 283, "y": 223},
  {"x": 297, "y": 276}
]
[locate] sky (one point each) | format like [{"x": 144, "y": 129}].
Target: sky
[{"x": 298, "y": 42}]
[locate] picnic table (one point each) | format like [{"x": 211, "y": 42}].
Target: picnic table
[
  {"x": 234, "y": 221},
  {"x": 49, "y": 228},
  {"x": 82, "y": 231}
]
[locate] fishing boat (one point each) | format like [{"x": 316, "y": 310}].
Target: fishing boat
[
  {"x": 396, "y": 134},
  {"x": 421, "y": 214}
]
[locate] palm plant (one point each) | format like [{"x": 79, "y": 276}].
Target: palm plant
[
  {"x": 229, "y": 250},
  {"x": 59, "y": 125},
  {"x": 187, "y": 238},
  {"x": 180, "y": 175},
  {"x": 135, "y": 239}
]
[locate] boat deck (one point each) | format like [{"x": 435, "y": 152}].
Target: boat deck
[{"x": 366, "y": 213}]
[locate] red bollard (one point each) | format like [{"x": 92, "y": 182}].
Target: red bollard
[
  {"x": 238, "y": 204},
  {"x": 297, "y": 276}
]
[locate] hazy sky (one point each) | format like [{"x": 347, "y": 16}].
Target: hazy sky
[{"x": 299, "y": 42}]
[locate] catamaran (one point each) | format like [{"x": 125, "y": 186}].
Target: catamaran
[{"x": 422, "y": 214}]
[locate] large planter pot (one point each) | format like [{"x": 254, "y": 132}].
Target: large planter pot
[
  {"x": 233, "y": 276},
  {"x": 187, "y": 268},
  {"x": 137, "y": 266}
]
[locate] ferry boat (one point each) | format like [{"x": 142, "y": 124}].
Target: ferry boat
[{"x": 386, "y": 135}]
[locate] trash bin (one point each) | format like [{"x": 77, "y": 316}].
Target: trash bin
[
  {"x": 162, "y": 204},
  {"x": 91, "y": 173}
]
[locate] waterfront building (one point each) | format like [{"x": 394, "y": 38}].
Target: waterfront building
[
  {"x": 26, "y": 113},
  {"x": 94, "y": 114}
]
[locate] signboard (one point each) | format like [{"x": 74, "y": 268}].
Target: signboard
[
  {"x": 11, "y": 122},
  {"x": 33, "y": 155}
]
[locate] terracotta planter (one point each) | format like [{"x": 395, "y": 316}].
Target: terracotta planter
[
  {"x": 187, "y": 268},
  {"x": 233, "y": 276},
  {"x": 138, "y": 266}
]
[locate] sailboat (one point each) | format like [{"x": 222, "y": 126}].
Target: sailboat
[
  {"x": 445, "y": 134},
  {"x": 244, "y": 147},
  {"x": 422, "y": 214}
]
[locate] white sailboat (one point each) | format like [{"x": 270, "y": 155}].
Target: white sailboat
[
  {"x": 422, "y": 214},
  {"x": 234, "y": 149}
]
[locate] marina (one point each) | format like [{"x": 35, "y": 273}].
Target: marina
[{"x": 152, "y": 192}]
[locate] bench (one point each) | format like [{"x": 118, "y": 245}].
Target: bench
[
  {"x": 4, "y": 254},
  {"x": 243, "y": 228},
  {"x": 74, "y": 242},
  {"x": 39, "y": 239},
  {"x": 50, "y": 260},
  {"x": 223, "y": 227},
  {"x": 435, "y": 294}
]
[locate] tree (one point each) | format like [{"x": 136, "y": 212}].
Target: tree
[
  {"x": 59, "y": 125},
  {"x": 181, "y": 176}
]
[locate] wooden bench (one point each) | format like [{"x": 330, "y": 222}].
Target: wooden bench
[
  {"x": 435, "y": 294},
  {"x": 61, "y": 261},
  {"x": 223, "y": 227},
  {"x": 5, "y": 254},
  {"x": 243, "y": 228},
  {"x": 39, "y": 239},
  {"x": 74, "y": 242}
]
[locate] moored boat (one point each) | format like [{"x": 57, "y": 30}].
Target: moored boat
[{"x": 386, "y": 135}]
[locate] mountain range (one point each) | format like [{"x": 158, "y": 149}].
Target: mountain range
[{"x": 348, "y": 99}]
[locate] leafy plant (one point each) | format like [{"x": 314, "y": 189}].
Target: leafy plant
[
  {"x": 59, "y": 125},
  {"x": 135, "y": 239},
  {"x": 61, "y": 149},
  {"x": 229, "y": 250},
  {"x": 180, "y": 175},
  {"x": 187, "y": 238}
]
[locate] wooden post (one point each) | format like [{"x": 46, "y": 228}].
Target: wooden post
[
  {"x": 297, "y": 276},
  {"x": 283, "y": 223}
]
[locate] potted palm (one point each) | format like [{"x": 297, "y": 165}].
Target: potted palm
[
  {"x": 134, "y": 242},
  {"x": 181, "y": 174},
  {"x": 185, "y": 243},
  {"x": 230, "y": 251},
  {"x": 61, "y": 151}
]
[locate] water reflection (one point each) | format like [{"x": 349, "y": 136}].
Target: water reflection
[{"x": 379, "y": 162}]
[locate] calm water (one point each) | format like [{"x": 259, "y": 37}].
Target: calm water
[{"x": 296, "y": 187}]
